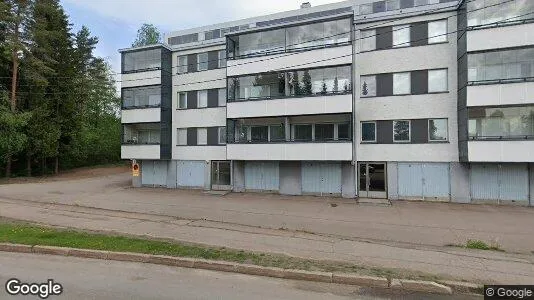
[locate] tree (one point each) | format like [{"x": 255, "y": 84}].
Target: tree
[
  {"x": 307, "y": 84},
  {"x": 324, "y": 88},
  {"x": 336, "y": 85},
  {"x": 148, "y": 34},
  {"x": 365, "y": 91}
]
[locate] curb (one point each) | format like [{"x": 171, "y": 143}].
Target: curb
[{"x": 444, "y": 287}]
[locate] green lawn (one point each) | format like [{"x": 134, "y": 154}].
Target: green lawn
[{"x": 21, "y": 233}]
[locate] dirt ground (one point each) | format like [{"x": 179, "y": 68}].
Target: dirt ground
[{"x": 78, "y": 173}]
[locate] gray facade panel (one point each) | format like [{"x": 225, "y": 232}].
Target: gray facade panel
[
  {"x": 290, "y": 178},
  {"x": 384, "y": 132},
  {"x": 213, "y": 60},
  {"x": 213, "y": 135},
  {"x": 213, "y": 97},
  {"x": 192, "y": 99},
  {"x": 166, "y": 105},
  {"x": 419, "y": 34},
  {"x": 384, "y": 85},
  {"x": 531, "y": 184},
  {"x": 191, "y": 136},
  {"x": 419, "y": 82},
  {"x": 384, "y": 37},
  {"x": 192, "y": 63},
  {"x": 419, "y": 131}
]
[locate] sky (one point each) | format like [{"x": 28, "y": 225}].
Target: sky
[{"x": 115, "y": 22}]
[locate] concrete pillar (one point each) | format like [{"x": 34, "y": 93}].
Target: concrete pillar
[
  {"x": 531, "y": 184},
  {"x": 238, "y": 176},
  {"x": 459, "y": 177},
  {"x": 287, "y": 129},
  {"x": 171, "y": 174},
  {"x": 207, "y": 175},
  {"x": 136, "y": 180},
  {"x": 290, "y": 178},
  {"x": 348, "y": 183},
  {"x": 392, "y": 180}
]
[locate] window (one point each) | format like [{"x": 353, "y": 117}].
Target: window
[
  {"x": 368, "y": 131},
  {"x": 259, "y": 133},
  {"x": 438, "y": 130},
  {"x": 182, "y": 100},
  {"x": 181, "y": 136},
  {"x": 401, "y": 36},
  {"x": 202, "y": 61},
  {"x": 277, "y": 133},
  {"x": 222, "y": 135},
  {"x": 324, "y": 132},
  {"x": 222, "y": 59},
  {"x": 401, "y": 131},
  {"x": 368, "y": 86},
  {"x": 222, "y": 97},
  {"x": 503, "y": 64},
  {"x": 302, "y": 132},
  {"x": 366, "y": 9},
  {"x": 368, "y": 40},
  {"x": 505, "y": 122},
  {"x": 141, "y": 60},
  {"x": 202, "y": 136},
  {"x": 437, "y": 31},
  {"x": 202, "y": 98},
  {"x": 343, "y": 132},
  {"x": 182, "y": 64},
  {"x": 437, "y": 81},
  {"x": 401, "y": 83},
  {"x": 392, "y": 5},
  {"x": 141, "y": 97}
]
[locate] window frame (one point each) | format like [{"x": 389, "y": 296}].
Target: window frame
[
  {"x": 446, "y": 81},
  {"x": 203, "y": 92},
  {"x": 185, "y": 99},
  {"x": 361, "y": 132},
  {"x": 409, "y": 132},
  {"x": 182, "y": 69},
  {"x": 220, "y": 60},
  {"x": 446, "y": 126},
  {"x": 206, "y": 62},
  {"x": 441, "y": 36},
  {"x": 221, "y": 139},
  {"x": 409, "y": 73},
  {"x": 399, "y": 29},
  {"x": 204, "y": 136}
]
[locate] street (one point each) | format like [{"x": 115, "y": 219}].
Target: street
[{"x": 98, "y": 279}]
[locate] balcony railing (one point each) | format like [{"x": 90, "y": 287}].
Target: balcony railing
[{"x": 501, "y": 137}]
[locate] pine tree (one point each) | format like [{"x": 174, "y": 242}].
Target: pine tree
[
  {"x": 307, "y": 84},
  {"x": 336, "y": 85},
  {"x": 324, "y": 88},
  {"x": 365, "y": 92}
]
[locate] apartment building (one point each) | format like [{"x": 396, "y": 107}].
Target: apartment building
[{"x": 398, "y": 99}]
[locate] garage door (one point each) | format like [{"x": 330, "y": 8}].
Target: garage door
[
  {"x": 154, "y": 172},
  {"x": 321, "y": 178},
  {"x": 190, "y": 173},
  {"x": 262, "y": 176},
  {"x": 423, "y": 180},
  {"x": 499, "y": 182}
]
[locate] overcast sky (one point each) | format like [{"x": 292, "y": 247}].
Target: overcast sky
[{"x": 115, "y": 22}]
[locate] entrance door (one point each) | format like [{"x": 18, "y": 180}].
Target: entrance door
[
  {"x": 372, "y": 180},
  {"x": 220, "y": 175}
]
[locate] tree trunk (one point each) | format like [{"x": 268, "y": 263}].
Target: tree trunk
[
  {"x": 43, "y": 165},
  {"x": 8, "y": 165},
  {"x": 13, "y": 99},
  {"x": 29, "y": 164},
  {"x": 56, "y": 167}
]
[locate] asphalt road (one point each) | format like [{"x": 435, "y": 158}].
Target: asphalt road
[{"x": 100, "y": 279}]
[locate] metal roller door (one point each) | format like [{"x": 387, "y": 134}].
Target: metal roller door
[
  {"x": 262, "y": 176},
  {"x": 190, "y": 173},
  {"x": 154, "y": 172},
  {"x": 424, "y": 180},
  {"x": 321, "y": 178},
  {"x": 503, "y": 182}
]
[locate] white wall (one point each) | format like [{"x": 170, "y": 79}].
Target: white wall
[
  {"x": 294, "y": 60},
  {"x": 142, "y": 115},
  {"x": 500, "y": 37},
  {"x": 291, "y": 106},
  {"x": 290, "y": 151},
  {"x": 206, "y": 153},
  {"x": 203, "y": 80},
  {"x": 442, "y": 152},
  {"x": 141, "y": 79},
  {"x": 140, "y": 151},
  {"x": 500, "y": 94},
  {"x": 501, "y": 151},
  {"x": 203, "y": 117}
]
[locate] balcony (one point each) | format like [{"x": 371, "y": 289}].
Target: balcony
[
  {"x": 141, "y": 67},
  {"x": 501, "y": 150},
  {"x": 323, "y": 137},
  {"x": 141, "y": 141}
]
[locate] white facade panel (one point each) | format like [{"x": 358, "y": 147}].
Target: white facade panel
[
  {"x": 141, "y": 79},
  {"x": 211, "y": 79},
  {"x": 291, "y": 151},
  {"x": 500, "y": 37},
  {"x": 294, "y": 60},
  {"x": 500, "y": 94},
  {"x": 205, "y": 117},
  {"x": 143, "y": 115},
  {"x": 206, "y": 153},
  {"x": 442, "y": 152},
  {"x": 501, "y": 151},
  {"x": 291, "y": 106},
  {"x": 140, "y": 151}
]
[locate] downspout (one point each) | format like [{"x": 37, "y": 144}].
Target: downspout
[{"x": 354, "y": 123}]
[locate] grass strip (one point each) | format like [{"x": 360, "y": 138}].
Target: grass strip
[{"x": 22, "y": 233}]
